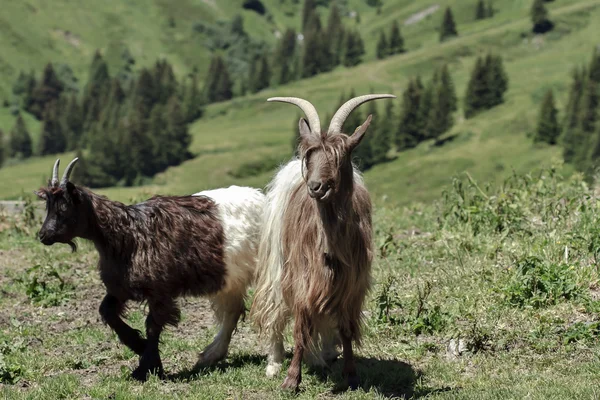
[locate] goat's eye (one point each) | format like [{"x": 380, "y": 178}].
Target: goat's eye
[{"x": 63, "y": 207}]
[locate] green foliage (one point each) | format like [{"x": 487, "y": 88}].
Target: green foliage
[
  {"x": 548, "y": 129},
  {"x": 285, "y": 56},
  {"x": 540, "y": 17},
  {"x": 409, "y": 130},
  {"x": 538, "y": 283},
  {"x": 11, "y": 371},
  {"x": 45, "y": 286},
  {"x": 307, "y": 11},
  {"x": 487, "y": 85},
  {"x": 396, "y": 40},
  {"x": 52, "y": 136},
  {"x": 335, "y": 34},
  {"x": 417, "y": 316},
  {"x": 382, "y": 47},
  {"x": 355, "y": 49},
  {"x": 218, "y": 85},
  {"x": 47, "y": 91},
  {"x": 480, "y": 10},
  {"x": 448, "y": 27}
]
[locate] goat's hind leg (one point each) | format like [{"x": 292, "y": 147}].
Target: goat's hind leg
[
  {"x": 111, "y": 311},
  {"x": 228, "y": 308},
  {"x": 161, "y": 313}
]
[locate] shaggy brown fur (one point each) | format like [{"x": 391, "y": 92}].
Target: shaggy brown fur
[
  {"x": 328, "y": 248},
  {"x": 153, "y": 251}
]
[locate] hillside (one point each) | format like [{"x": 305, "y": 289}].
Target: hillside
[{"x": 248, "y": 129}]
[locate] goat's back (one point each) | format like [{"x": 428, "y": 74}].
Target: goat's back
[{"x": 240, "y": 212}]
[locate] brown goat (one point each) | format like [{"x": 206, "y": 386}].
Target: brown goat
[
  {"x": 316, "y": 247},
  {"x": 161, "y": 249}
]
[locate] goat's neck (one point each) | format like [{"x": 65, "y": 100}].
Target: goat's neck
[{"x": 104, "y": 221}]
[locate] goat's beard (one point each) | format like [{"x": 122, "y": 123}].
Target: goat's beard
[{"x": 73, "y": 246}]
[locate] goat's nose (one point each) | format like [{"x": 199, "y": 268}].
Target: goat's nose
[{"x": 315, "y": 186}]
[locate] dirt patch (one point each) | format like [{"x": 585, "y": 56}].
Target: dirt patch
[
  {"x": 421, "y": 15},
  {"x": 68, "y": 36}
]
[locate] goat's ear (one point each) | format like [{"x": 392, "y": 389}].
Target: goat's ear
[
  {"x": 73, "y": 192},
  {"x": 359, "y": 133},
  {"x": 41, "y": 194},
  {"x": 305, "y": 132}
]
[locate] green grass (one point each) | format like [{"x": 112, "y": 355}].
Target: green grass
[{"x": 527, "y": 318}]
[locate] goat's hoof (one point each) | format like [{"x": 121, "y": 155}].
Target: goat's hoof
[
  {"x": 141, "y": 373},
  {"x": 290, "y": 384},
  {"x": 353, "y": 382},
  {"x": 273, "y": 370}
]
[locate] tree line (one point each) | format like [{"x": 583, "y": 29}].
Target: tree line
[
  {"x": 579, "y": 131},
  {"x": 124, "y": 129}
]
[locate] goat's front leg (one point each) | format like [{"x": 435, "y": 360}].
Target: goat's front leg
[
  {"x": 161, "y": 313},
  {"x": 302, "y": 335},
  {"x": 111, "y": 311},
  {"x": 349, "y": 370}
]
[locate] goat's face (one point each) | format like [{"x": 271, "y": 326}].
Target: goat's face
[
  {"x": 327, "y": 160},
  {"x": 63, "y": 209}
]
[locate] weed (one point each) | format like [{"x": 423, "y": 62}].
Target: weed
[
  {"x": 538, "y": 283},
  {"x": 45, "y": 286}
]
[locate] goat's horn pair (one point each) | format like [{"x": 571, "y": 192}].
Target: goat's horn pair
[
  {"x": 66, "y": 174},
  {"x": 335, "y": 126}
]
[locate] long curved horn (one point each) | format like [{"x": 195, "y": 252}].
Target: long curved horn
[
  {"x": 309, "y": 110},
  {"x": 335, "y": 126},
  {"x": 54, "y": 181},
  {"x": 68, "y": 171}
]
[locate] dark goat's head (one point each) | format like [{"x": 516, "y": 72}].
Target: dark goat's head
[
  {"x": 327, "y": 156},
  {"x": 63, "y": 201}
]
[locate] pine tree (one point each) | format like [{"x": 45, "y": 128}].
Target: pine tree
[
  {"x": 48, "y": 90},
  {"x": 425, "y": 110},
  {"x": 311, "y": 58},
  {"x": 101, "y": 167},
  {"x": 192, "y": 107},
  {"x": 380, "y": 141},
  {"x": 594, "y": 72},
  {"x": 490, "y": 9},
  {"x": 448, "y": 28},
  {"x": 409, "y": 129},
  {"x": 497, "y": 80},
  {"x": 589, "y": 107},
  {"x": 141, "y": 149},
  {"x": 548, "y": 129},
  {"x": 30, "y": 86},
  {"x": 252, "y": 73},
  {"x": 335, "y": 34},
  {"x": 396, "y": 40},
  {"x": 73, "y": 123},
  {"x": 540, "y": 17},
  {"x": 307, "y": 10},
  {"x": 213, "y": 77},
  {"x": 448, "y": 88},
  {"x": 387, "y": 127},
  {"x": 382, "y": 47},
  {"x": 440, "y": 117},
  {"x": 52, "y": 138},
  {"x": 224, "y": 84},
  {"x": 480, "y": 10},
  {"x": 264, "y": 74},
  {"x": 477, "y": 90},
  {"x": 95, "y": 91},
  {"x": 166, "y": 83},
  {"x": 2, "y": 148},
  {"x": 20, "y": 85},
  {"x": 145, "y": 94},
  {"x": 159, "y": 137},
  {"x": 364, "y": 154},
  {"x": 354, "y": 49},
  {"x": 20, "y": 145},
  {"x": 178, "y": 131},
  {"x": 574, "y": 101},
  {"x": 285, "y": 55}
]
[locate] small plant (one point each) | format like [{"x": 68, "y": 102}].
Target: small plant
[
  {"x": 538, "y": 283},
  {"x": 45, "y": 286},
  {"x": 10, "y": 371},
  {"x": 421, "y": 317},
  {"x": 582, "y": 331}
]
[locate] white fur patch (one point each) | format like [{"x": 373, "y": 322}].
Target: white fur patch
[{"x": 240, "y": 211}]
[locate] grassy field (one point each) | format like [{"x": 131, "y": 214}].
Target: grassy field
[
  {"x": 489, "y": 146},
  {"x": 485, "y": 294}
]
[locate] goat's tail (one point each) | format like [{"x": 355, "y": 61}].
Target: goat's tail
[{"x": 269, "y": 311}]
